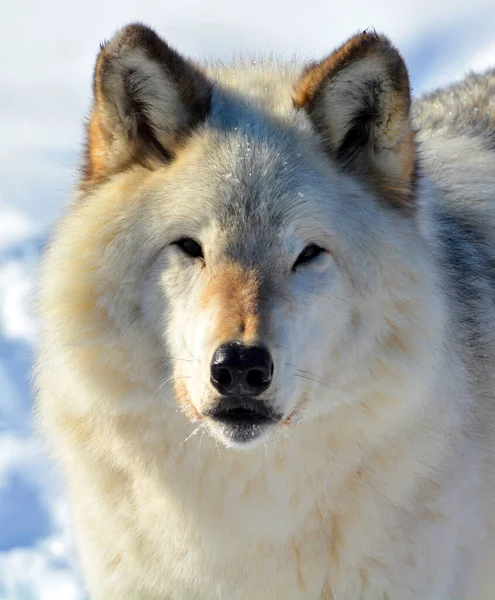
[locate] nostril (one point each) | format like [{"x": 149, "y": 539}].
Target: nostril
[
  {"x": 256, "y": 378},
  {"x": 224, "y": 377}
]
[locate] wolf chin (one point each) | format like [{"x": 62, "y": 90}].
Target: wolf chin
[{"x": 268, "y": 330}]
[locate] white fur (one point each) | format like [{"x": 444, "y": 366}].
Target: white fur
[{"x": 377, "y": 490}]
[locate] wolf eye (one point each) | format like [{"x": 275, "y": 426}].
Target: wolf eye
[
  {"x": 190, "y": 247},
  {"x": 308, "y": 254}
]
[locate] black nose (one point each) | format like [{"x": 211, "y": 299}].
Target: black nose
[{"x": 241, "y": 370}]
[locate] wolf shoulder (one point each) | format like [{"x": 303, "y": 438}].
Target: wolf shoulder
[{"x": 456, "y": 140}]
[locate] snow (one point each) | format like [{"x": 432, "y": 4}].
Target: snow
[{"x": 48, "y": 52}]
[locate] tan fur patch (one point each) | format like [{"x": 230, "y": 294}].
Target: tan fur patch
[
  {"x": 98, "y": 142},
  {"x": 395, "y": 339},
  {"x": 114, "y": 563},
  {"x": 300, "y": 578},
  {"x": 336, "y": 540},
  {"x": 296, "y": 412},
  {"x": 79, "y": 429},
  {"x": 235, "y": 291},
  {"x": 316, "y": 74},
  {"x": 184, "y": 400},
  {"x": 365, "y": 579},
  {"x": 406, "y": 152}
]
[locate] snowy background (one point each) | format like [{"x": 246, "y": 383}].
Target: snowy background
[{"x": 47, "y": 52}]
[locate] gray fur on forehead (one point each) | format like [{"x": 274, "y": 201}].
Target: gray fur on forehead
[{"x": 261, "y": 162}]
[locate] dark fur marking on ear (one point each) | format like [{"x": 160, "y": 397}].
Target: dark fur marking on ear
[
  {"x": 359, "y": 133},
  {"x": 140, "y": 134},
  {"x": 194, "y": 88},
  {"x": 355, "y": 139},
  {"x": 148, "y": 143}
]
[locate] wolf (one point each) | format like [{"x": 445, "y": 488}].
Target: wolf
[{"x": 267, "y": 346}]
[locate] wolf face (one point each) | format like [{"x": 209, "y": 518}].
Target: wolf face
[
  {"x": 238, "y": 292},
  {"x": 269, "y": 255}
]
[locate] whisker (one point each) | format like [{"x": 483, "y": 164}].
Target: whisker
[
  {"x": 339, "y": 299},
  {"x": 185, "y": 346},
  {"x": 174, "y": 454},
  {"x": 313, "y": 375},
  {"x": 311, "y": 379},
  {"x": 132, "y": 321},
  {"x": 202, "y": 436},
  {"x": 193, "y": 433},
  {"x": 307, "y": 373},
  {"x": 160, "y": 387},
  {"x": 217, "y": 449}
]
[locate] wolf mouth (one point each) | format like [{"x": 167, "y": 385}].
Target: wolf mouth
[{"x": 242, "y": 412}]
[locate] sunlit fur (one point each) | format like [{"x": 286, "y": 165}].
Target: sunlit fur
[{"x": 378, "y": 482}]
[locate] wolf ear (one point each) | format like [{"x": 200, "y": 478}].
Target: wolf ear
[
  {"x": 359, "y": 100},
  {"x": 146, "y": 99}
]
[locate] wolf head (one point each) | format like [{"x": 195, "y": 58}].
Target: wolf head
[{"x": 255, "y": 226}]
